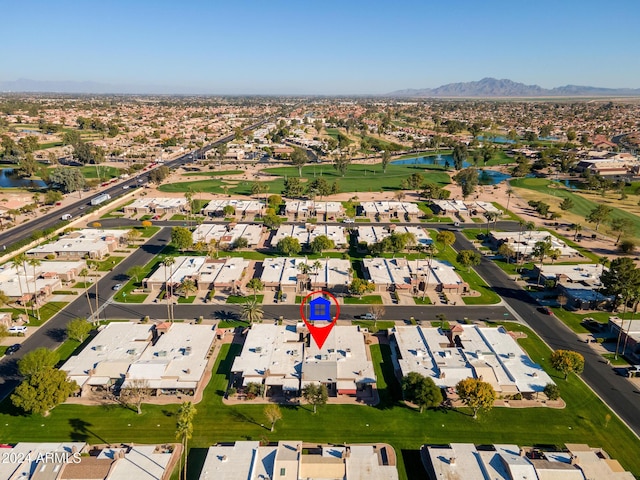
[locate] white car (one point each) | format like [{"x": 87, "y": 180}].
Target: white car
[
  {"x": 348, "y": 220},
  {"x": 18, "y": 329},
  {"x": 117, "y": 286}
]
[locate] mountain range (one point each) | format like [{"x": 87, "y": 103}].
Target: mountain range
[{"x": 504, "y": 88}]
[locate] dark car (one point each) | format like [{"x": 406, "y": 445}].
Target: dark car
[
  {"x": 545, "y": 310},
  {"x": 12, "y": 349}
]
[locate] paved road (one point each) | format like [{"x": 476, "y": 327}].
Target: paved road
[
  {"x": 43, "y": 222},
  {"x": 616, "y": 391}
]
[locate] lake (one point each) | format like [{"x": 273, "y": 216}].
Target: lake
[
  {"x": 9, "y": 180},
  {"x": 486, "y": 177}
]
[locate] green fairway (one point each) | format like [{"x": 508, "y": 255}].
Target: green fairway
[
  {"x": 213, "y": 173},
  {"x": 584, "y": 420},
  {"x": 581, "y": 206},
  {"x": 358, "y": 178},
  {"x": 104, "y": 172}
]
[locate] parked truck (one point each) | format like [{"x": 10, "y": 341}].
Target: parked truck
[
  {"x": 66, "y": 216},
  {"x": 100, "y": 199}
]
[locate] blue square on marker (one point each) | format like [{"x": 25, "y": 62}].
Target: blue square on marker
[{"x": 320, "y": 309}]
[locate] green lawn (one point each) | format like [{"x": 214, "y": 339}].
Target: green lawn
[
  {"x": 240, "y": 299},
  {"x": 583, "y": 421},
  {"x": 107, "y": 264},
  {"x": 581, "y": 206},
  {"x": 422, "y": 301},
  {"x": 374, "y": 326},
  {"x": 105, "y": 172},
  {"x": 364, "y": 300},
  {"x": 186, "y": 299},
  {"x": 374, "y": 179}
]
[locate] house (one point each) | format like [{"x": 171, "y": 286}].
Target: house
[
  {"x": 375, "y": 234},
  {"x": 86, "y": 243},
  {"x": 628, "y": 330},
  {"x": 384, "y": 211},
  {"x": 462, "y": 461},
  {"x": 580, "y": 284},
  {"x": 158, "y": 206},
  {"x": 77, "y": 460},
  {"x": 227, "y": 234},
  {"x": 171, "y": 358},
  {"x": 297, "y": 274},
  {"x": 523, "y": 243},
  {"x": 391, "y": 274},
  {"x": 24, "y": 284},
  {"x": 468, "y": 351},
  {"x": 242, "y": 209},
  {"x": 308, "y": 232},
  {"x": 207, "y": 273},
  {"x": 294, "y": 460},
  {"x": 302, "y": 210}
]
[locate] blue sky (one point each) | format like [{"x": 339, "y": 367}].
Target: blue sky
[{"x": 321, "y": 47}]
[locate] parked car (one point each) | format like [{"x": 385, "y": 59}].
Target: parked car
[
  {"x": 545, "y": 310},
  {"x": 633, "y": 371},
  {"x": 117, "y": 286},
  {"x": 284, "y": 297},
  {"x": 18, "y": 329},
  {"x": 12, "y": 349},
  {"x": 368, "y": 316}
]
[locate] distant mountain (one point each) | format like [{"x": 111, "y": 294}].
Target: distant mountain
[
  {"x": 492, "y": 87},
  {"x": 36, "y": 86}
]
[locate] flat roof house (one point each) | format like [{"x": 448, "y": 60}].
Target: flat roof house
[
  {"x": 170, "y": 357},
  {"x": 242, "y": 208},
  {"x": 523, "y": 243},
  {"x": 468, "y": 351},
  {"x": 390, "y": 274},
  {"x": 286, "y": 274},
  {"x": 227, "y": 234},
  {"x": 86, "y": 243},
  {"x": 156, "y": 205},
  {"x": 294, "y": 460}
]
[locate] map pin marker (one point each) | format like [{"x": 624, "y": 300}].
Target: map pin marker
[{"x": 320, "y": 311}]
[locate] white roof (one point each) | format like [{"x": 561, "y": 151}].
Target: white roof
[
  {"x": 457, "y": 462},
  {"x": 165, "y": 203},
  {"x": 363, "y": 463},
  {"x": 86, "y": 240},
  {"x": 203, "y": 270},
  {"x": 585, "y": 272},
  {"x": 306, "y": 233},
  {"x": 26, "y": 468},
  {"x": 14, "y": 283},
  {"x": 524, "y": 242},
  {"x": 344, "y": 355},
  {"x": 241, "y": 206},
  {"x": 142, "y": 462},
  {"x": 490, "y": 353},
  {"x": 214, "y": 231}
]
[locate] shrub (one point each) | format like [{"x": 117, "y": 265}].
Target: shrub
[{"x": 552, "y": 391}]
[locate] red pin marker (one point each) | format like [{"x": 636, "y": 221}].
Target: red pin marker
[{"x": 321, "y": 313}]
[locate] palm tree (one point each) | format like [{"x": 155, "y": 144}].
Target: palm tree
[
  {"x": 252, "y": 311},
  {"x": 18, "y": 262},
  {"x": 184, "y": 429},
  {"x": 213, "y": 248},
  {"x": 256, "y": 285},
  {"x": 576, "y": 228},
  {"x": 509, "y": 193},
  {"x": 316, "y": 269},
  {"x": 188, "y": 286},
  {"x": 188, "y": 195},
  {"x": 304, "y": 269},
  {"x": 168, "y": 262},
  {"x": 491, "y": 217},
  {"x": 35, "y": 262}
]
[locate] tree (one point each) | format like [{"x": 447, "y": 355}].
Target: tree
[
  {"x": 187, "y": 287},
  {"x": 168, "y": 262},
  {"x": 272, "y": 222},
  {"x": 252, "y": 311},
  {"x": 421, "y": 391},
  {"x": 599, "y": 215},
  {"x": 567, "y": 361},
  {"x": 289, "y": 246},
  {"x": 184, "y": 430},
  {"x": 240, "y": 242},
  {"x": 84, "y": 273},
  {"x": 360, "y": 287},
  {"x": 315, "y": 395},
  {"x": 37, "y": 360},
  {"x": 322, "y": 243},
  {"x": 506, "y": 251},
  {"x": 446, "y": 238},
  {"x": 459, "y": 154},
  {"x": 552, "y": 391},
  {"x": 228, "y": 210},
  {"x": 468, "y": 180},
  {"x": 299, "y": 158},
  {"x": 541, "y": 250},
  {"x": 341, "y": 164},
  {"x": 181, "y": 238},
  {"x": 19, "y": 262},
  {"x": 136, "y": 272},
  {"x": 35, "y": 263},
  {"x": 51, "y": 197},
  {"x": 133, "y": 235},
  {"x": 136, "y": 392},
  {"x": 386, "y": 160},
  {"x": 469, "y": 258},
  {"x": 292, "y": 187},
  {"x": 67, "y": 179},
  {"x": 622, "y": 226},
  {"x": 273, "y": 414},
  {"x": 157, "y": 175},
  {"x": 256, "y": 285},
  {"x": 566, "y": 204},
  {"x": 274, "y": 201},
  {"x": 43, "y": 390},
  {"x": 4, "y": 331},
  {"x": 627, "y": 246},
  {"x": 78, "y": 329},
  {"x": 476, "y": 394}
]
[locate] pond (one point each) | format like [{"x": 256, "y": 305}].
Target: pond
[
  {"x": 492, "y": 177},
  {"x": 10, "y": 180},
  {"x": 443, "y": 160}
]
